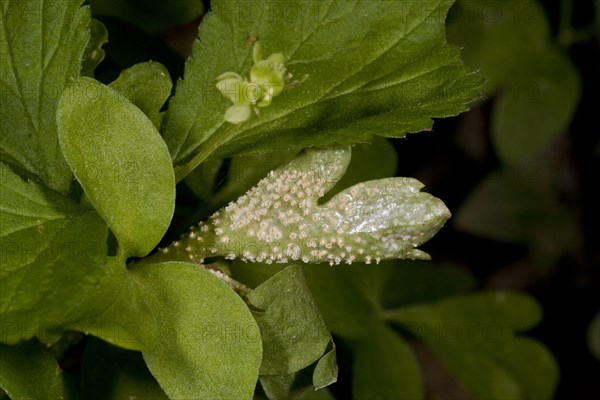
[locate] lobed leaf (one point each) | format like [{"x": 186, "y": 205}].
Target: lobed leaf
[
  {"x": 475, "y": 338},
  {"x": 364, "y": 68},
  {"x": 280, "y": 219}
]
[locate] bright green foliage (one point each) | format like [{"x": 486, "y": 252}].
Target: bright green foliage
[
  {"x": 280, "y": 220},
  {"x": 116, "y": 310},
  {"x": 29, "y": 372},
  {"x": 361, "y": 69},
  {"x": 385, "y": 367},
  {"x": 37, "y": 60},
  {"x": 113, "y": 373},
  {"x": 207, "y": 343},
  {"x": 48, "y": 244},
  {"x": 121, "y": 162},
  {"x": 147, "y": 86},
  {"x": 392, "y": 58},
  {"x": 509, "y": 40}
]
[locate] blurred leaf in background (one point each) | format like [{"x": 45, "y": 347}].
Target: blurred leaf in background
[{"x": 538, "y": 85}]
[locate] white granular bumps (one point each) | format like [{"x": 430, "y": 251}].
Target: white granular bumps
[{"x": 280, "y": 220}]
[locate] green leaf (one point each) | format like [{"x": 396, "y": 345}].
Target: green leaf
[
  {"x": 150, "y": 15},
  {"x": 474, "y": 337},
  {"x": 121, "y": 162},
  {"x": 52, "y": 254},
  {"x": 535, "y": 107},
  {"x": 246, "y": 171},
  {"x": 593, "y": 335},
  {"x": 29, "y": 372},
  {"x": 36, "y": 62},
  {"x": 497, "y": 37},
  {"x": 292, "y": 329},
  {"x": 147, "y": 85},
  {"x": 109, "y": 372},
  {"x": 513, "y": 311},
  {"x": 510, "y": 42},
  {"x": 533, "y": 367},
  {"x": 385, "y": 368},
  {"x": 326, "y": 370},
  {"x": 116, "y": 310},
  {"x": 340, "y": 295},
  {"x": 94, "y": 54},
  {"x": 365, "y": 68},
  {"x": 280, "y": 219},
  {"x": 207, "y": 342},
  {"x": 518, "y": 205},
  {"x": 307, "y": 383},
  {"x": 371, "y": 161}
]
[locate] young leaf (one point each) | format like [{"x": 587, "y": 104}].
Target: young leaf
[
  {"x": 292, "y": 329},
  {"x": 364, "y": 68},
  {"x": 280, "y": 220},
  {"x": 29, "y": 372},
  {"x": 52, "y": 254},
  {"x": 207, "y": 343},
  {"x": 326, "y": 370},
  {"x": 147, "y": 85},
  {"x": 121, "y": 162},
  {"x": 37, "y": 59},
  {"x": 385, "y": 367},
  {"x": 94, "y": 54}
]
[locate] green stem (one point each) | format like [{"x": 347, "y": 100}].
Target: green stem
[{"x": 221, "y": 136}]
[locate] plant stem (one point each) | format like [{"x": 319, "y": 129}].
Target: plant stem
[{"x": 221, "y": 136}]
